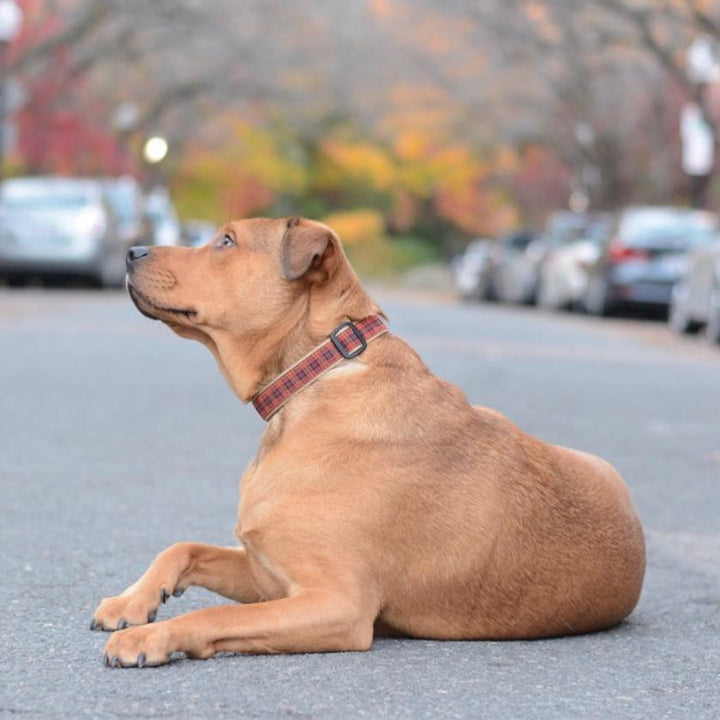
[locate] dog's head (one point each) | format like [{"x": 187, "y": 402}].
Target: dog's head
[{"x": 260, "y": 294}]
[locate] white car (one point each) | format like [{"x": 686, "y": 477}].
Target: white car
[
  {"x": 564, "y": 275},
  {"x": 55, "y": 226},
  {"x": 564, "y": 272},
  {"x": 472, "y": 270}
]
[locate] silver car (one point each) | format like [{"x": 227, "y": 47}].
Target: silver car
[
  {"x": 125, "y": 198},
  {"x": 564, "y": 271},
  {"x": 51, "y": 226},
  {"x": 472, "y": 271}
]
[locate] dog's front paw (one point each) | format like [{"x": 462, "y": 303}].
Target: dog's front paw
[
  {"x": 133, "y": 607},
  {"x": 139, "y": 647}
]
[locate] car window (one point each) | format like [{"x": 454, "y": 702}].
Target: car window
[
  {"x": 518, "y": 241},
  {"x": 45, "y": 198},
  {"x": 666, "y": 229}
]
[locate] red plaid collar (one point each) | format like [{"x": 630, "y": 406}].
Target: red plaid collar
[{"x": 346, "y": 342}]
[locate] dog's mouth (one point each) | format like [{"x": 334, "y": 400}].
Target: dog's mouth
[{"x": 147, "y": 306}]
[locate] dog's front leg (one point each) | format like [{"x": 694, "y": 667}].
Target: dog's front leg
[
  {"x": 309, "y": 621},
  {"x": 222, "y": 570}
]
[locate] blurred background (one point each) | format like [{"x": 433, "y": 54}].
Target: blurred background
[
  {"x": 413, "y": 128},
  {"x": 505, "y": 174}
]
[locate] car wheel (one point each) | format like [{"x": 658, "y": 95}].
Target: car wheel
[
  {"x": 16, "y": 280},
  {"x": 712, "y": 330},
  {"x": 596, "y": 299},
  {"x": 680, "y": 320}
]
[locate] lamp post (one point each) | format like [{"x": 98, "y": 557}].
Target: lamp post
[
  {"x": 698, "y": 137},
  {"x": 125, "y": 121},
  {"x": 11, "y": 18}
]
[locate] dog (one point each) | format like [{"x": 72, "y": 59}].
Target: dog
[{"x": 380, "y": 502}]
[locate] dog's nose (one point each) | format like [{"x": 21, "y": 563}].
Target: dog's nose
[{"x": 137, "y": 253}]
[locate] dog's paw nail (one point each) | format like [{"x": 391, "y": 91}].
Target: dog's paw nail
[
  {"x": 115, "y": 661},
  {"x": 152, "y": 616},
  {"x": 178, "y": 591},
  {"x": 141, "y": 660},
  {"x": 164, "y": 595},
  {"x": 106, "y": 660},
  {"x": 122, "y": 624},
  {"x": 94, "y": 624}
]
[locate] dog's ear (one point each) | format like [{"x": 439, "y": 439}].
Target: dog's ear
[{"x": 309, "y": 250}]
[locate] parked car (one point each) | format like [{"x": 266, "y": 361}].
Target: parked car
[
  {"x": 163, "y": 220},
  {"x": 564, "y": 270},
  {"x": 695, "y": 299},
  {"x": 472, "y": 270},
  {"x": 126, "y": 200},
  {"x": 510, "y": 279},
  {"x": 52, "y": 226},
  {"x": 197, "y": 232},
  {"x": 643, "y": 257},
  {"x": 521, "y": 271}
]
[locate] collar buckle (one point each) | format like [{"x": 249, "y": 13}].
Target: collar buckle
[{"x": 337, "y": 342}]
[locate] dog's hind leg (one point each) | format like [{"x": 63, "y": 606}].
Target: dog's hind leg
[
  {"x": 222, "y": 570},
  {"x": 309, "y": 621}
]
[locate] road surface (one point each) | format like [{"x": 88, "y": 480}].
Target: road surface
[{"x": 118, "y": 439}]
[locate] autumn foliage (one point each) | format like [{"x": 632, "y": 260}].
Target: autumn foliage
[{"x": 410, "y": 183}]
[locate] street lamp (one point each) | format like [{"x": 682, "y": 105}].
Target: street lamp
[
  {"x": 155, "y": 150},
  {"x": 11, "y": 18}
]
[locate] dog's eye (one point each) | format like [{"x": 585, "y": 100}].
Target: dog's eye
[{"x": 227, "y": 241}]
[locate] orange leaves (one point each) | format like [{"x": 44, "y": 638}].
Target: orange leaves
[
  {"x": 407, "y": 182},
  {"x": 357, "y": 163},
  {"x": 355, "y": 227},
  {"x": 242, "y": 176}
]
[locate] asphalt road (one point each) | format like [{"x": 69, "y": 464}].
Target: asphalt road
[{"x": 117, "y": 439}]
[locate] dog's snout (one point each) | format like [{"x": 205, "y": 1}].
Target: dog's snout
[{"x": 137, "y": 253}]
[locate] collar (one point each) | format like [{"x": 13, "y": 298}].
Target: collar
[{"x": 346, "y": 341}]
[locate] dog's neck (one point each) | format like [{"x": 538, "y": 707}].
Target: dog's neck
[{"x": 250, "y": 364}]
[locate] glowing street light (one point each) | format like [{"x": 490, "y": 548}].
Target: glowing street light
[{"x": 155, "y": 149}]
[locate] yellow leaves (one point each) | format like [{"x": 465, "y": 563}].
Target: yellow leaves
[
  {"x": 506, "y": 160},
  {"x": 241, "y": 177},
  {"x": 355, "y": 227},
  {"x": 360, "y": 162},
  {"x": 258, "y": 156},
  {"x": 411, "y": 145},
  {"x": 407, "y": 182}
]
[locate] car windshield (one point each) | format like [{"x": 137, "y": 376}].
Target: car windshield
[
  {"x": 45, "y": 197},
  {"x": 666, "y": 229},
  {"x": 564, "y": 228}
]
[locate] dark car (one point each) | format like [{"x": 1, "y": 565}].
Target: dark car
[
  {"x": 643, "y": 257},
  {"x": 696, "y": 298}
]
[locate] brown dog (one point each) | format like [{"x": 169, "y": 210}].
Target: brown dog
[{"x": 380, "y": 500}]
